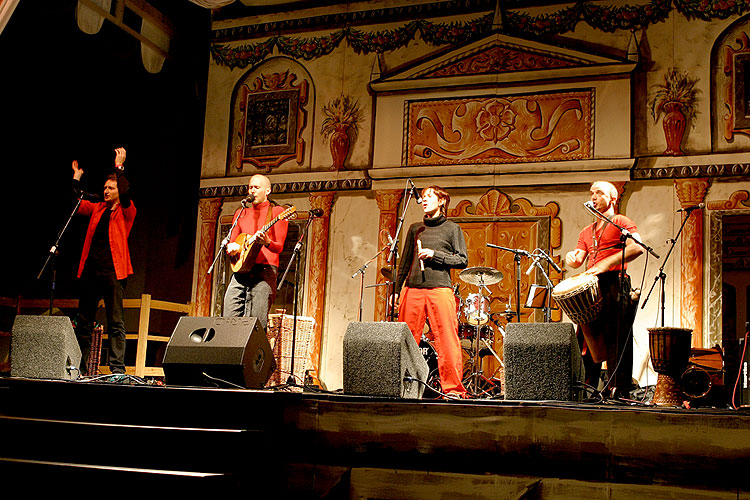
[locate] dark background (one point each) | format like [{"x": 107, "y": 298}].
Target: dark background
[{"x": 71, "y": 96}]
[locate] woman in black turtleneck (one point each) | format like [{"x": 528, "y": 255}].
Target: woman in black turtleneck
[{"x": 433, "y": 247}]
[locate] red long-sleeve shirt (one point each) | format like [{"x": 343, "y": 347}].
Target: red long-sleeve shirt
[{"x": 254, "y": 218}]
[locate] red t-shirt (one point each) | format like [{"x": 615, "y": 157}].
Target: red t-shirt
[
  {"x": 606, "y": 242},
  {"x": 254, "y": 218}
]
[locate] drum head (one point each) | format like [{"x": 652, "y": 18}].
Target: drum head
[{"x": 574, "y": 283}]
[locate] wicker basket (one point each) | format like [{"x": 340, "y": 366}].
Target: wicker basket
[{"x": 280, "y": 330}]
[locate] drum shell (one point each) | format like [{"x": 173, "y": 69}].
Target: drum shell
[
  {"x": 670, "y": 349},
  {"x": 476, "y": 309},
  {"x": 580, "y": 301},
  {"x": 468, "y": 332}
]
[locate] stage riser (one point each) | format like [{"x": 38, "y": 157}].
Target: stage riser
[
  {"x": 603, "y": 444},
  {"x": 54, "y": 479},
  {"x": 160, "y": 449}
]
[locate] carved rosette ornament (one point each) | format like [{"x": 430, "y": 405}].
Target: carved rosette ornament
[
  {"x": 316, "y": 281},
  {"x": 209, "y": 209},
  {"x": 388, "y": 205},
  {"x": 692, "y": 192}
]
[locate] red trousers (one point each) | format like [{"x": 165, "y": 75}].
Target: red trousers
[{"x": 439, "y": 306}]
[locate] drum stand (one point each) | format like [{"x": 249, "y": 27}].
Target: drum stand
[
  {"x": 476, "y": 376},
  {"x": 517, "y": 253}
]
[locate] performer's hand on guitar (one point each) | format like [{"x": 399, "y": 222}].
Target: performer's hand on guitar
[
  {"x": 233, "y": 248},
  {"x": 263, "y": 238}
]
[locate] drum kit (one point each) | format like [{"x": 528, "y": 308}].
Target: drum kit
[{"x": 475, "y": 331}]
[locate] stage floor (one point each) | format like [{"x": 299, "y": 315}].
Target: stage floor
[{"x": 322, "y": 445}]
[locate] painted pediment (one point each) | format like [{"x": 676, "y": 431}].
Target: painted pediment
[{"x": 500, "y": 58}]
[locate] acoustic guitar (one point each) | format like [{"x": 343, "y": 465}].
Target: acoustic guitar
[{"x": 243, "y": 261}]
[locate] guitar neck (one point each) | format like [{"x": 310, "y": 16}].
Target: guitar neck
[{"x": 271, "y": 223}]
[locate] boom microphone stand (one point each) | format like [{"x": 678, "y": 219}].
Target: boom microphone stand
[
  {"x": 623, "y": 295},
  {"x": 53, "y": 250},
  {"x": 393, "y": 252},
  {"x": 290, "y": 382},
  {"x": 517, "y": 253},
  {"x": 541, "y": 254},
  {"x": 661, "y": 277}
]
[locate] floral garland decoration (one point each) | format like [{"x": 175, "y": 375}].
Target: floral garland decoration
[{"x": 604, "y": 18}]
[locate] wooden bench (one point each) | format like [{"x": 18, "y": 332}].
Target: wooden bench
[{"x": 145, "y": 305}]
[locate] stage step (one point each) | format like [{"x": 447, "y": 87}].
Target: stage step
[{"x": 56, "y": 448}]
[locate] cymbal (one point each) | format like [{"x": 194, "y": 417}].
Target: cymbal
[
  {"x": 480, "y": 276},
  {"x": 387, "y": 273}
]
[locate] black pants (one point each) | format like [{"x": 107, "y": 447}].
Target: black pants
[
  {"x": 95, "y": 287},
  {"x": 615, "y": 323}
]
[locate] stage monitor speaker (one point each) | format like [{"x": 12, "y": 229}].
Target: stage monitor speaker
[
  {"x": 207, "y": 352},
  {"x": 542, "y": 362},
  {"x": 44, "y": 347},
  {"x": 377, "y": 358}
]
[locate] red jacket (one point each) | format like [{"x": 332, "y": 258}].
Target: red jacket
[{"x": 120, "y": 224}]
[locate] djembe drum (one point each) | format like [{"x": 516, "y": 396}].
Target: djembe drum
[
  {"x": 579, "y": 297},
  {"x": 670, "y": 353}
]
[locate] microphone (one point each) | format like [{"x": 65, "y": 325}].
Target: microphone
[
  {"x": 316, "y": 212},
  {"x": 419, "y": 249},
  {"x": 549, "y": 259},
  {"x": 694, "y": 207},
  {"x": 87, "y": 195},
  {"x": 250, "y": 198},
  {"x": 589, "y": 205},
  {"x": 415, "y": 191},
  {"x": 531, "y": 267}
]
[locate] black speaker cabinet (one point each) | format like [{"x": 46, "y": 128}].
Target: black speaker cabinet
[
  {"x": 377, "y": 358},
  {"x": 542, "y": 362},
  {"x": 44, "y": 347},
  {"x": 210, "y": 352}
]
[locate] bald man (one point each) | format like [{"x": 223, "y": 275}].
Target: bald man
[
  {"x": 251, "y": 293},
  {"x": 609, "y": 336}
]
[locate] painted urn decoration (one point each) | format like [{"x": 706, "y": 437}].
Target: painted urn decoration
[
  {"x": 340, "y": 127},
  {"x": 676, "y": 99}
]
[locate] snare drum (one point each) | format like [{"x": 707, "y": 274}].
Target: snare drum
[
  {"x": 476, "y": 309},
  {"x": 579, "y": 297}
]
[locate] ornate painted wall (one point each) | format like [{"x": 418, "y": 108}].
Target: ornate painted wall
[{"x": 530, "y": 103}]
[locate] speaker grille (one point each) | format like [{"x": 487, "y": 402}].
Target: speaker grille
[{"x": 542, "y": 362}]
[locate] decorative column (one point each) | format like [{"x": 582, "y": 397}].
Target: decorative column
[
  {"x": 209, "y": 209},
  {"x": 692, "y": 192},
  {"x": 388, "y": 204},
  {"x": 316, "y": 276}
]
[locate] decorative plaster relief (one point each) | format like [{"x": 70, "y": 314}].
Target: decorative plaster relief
[{"x": 509, "y": 129}]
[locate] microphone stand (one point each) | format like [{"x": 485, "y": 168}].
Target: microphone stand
[
  {"x": 290, "y": 382},
  {"x": 517, "y": 253},
  {"x": 623, "y": 295},
  {"x": 225, "y": 241},
  {"x": 393, "y": 252},
  {"x": 548, "y": 287},
  {"x": 661, "y": 277},
  {"x": 361, "y": 272},
  {"x": 624, "y": 233},
  {"x": 53, "y": 251}
]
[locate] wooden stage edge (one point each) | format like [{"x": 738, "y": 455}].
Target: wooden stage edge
[{"x": 321, "y": 445}]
